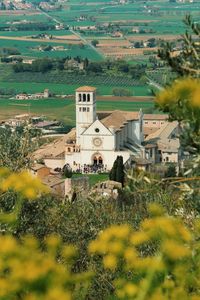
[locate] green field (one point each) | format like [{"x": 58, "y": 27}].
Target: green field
[
  {"x": 164, "y": 18},
  {"x": 94, "y": 178},
  {"x": 63, "y": 83},
  {"x": 62, "y": 109},
  {"x": 29, "y": 48},
  {"x": 68, "y": 89}
]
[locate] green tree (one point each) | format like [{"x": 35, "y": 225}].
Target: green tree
[
  {"x": 186, "y": 61},
  {"x": 171, "y": 171},
  {"x": 120, "y": 170},
  {"x": 112, "y": 174},
  {"x": 117, "y": 171},
  {"x": 16, "y": 148},
  {"x": 121, "y": 92},
  {"x": 67, "y": 172},
  {"x": 94, "y": 43}
]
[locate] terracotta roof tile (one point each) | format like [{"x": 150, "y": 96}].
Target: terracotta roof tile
[
  {"x": 56, "y": 148},
  {"x": 164, "y": 131},
  {"x": 52, "y": 180},
  {"x": 149, "y": 130},
  {"x": 156, "y": 117},
  {"x": 86, "y": 89},
  {"x": 117, "y": 119},
  {"x": 37, "y": 167}
]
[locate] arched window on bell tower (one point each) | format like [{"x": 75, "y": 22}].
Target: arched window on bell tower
[{"x": 85, "y": 109}]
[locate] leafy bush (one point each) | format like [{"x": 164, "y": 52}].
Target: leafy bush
[{"x": 158, "y": 260}]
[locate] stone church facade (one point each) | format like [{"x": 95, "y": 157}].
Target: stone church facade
[{"x": 101, "y": 136}]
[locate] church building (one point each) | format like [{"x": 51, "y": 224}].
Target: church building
[{"x": 101, "y": 136}]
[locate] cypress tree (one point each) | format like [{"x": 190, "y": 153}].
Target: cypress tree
[
  {"x": 120, "y": 170},
  {"x": 112, "y": 175},
  {"x": 67, "y": 172}
]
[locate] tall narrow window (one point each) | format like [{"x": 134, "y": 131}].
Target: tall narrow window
[
  {"x": 84, "y": 108},
  {"x": 79, "y": 97},
  {"x": 80, "y": 109},
  {"x": 88, "y": 97},
  {"x": 88, "y": 109},
  {"x": 84, "y": 97}
]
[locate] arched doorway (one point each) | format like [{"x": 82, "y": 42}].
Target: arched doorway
[
  {"x": 97, "y": 159},
  {"x": 100, "y": 160}
]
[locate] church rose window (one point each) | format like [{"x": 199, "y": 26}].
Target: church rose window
[{"x": 96, "y": 129}]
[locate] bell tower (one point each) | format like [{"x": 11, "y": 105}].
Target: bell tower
[{"x": 85, "y": 109}]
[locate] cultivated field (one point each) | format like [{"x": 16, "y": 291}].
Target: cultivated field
[
  {"x": 63, "y": 109},
  {"x": 69, "y": 40},
  {"x": 114, "y": 25}
]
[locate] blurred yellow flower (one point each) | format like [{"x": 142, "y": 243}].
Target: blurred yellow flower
[
  {"x": 174, "y": 250},
  {"x": 23, "y": 182},
  {"x": 130, "y": 289},
  {"x": 110, "y": 261},
  {"x": 186, "y": 89}
]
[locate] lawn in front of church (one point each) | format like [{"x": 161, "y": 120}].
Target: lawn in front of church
[{"x": 94, "y": 178}]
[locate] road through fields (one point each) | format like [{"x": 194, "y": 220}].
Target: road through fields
[{"x": 57, "y": 21}]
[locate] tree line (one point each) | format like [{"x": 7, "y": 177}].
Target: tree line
[{"x": 83, "y": 66}]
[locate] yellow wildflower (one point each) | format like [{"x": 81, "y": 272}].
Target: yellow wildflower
[
  {"x": 8, "y": 244},
  {"x": 110, "y": 262},
  {"x": 23, "y": 183},
  {"x": 166, "y": 96},
  {"x": 30, "y": 193},
  {"x": 130, "y": 289},
  {"x": 68, "y": 251},
  {"x": 184, "y": 233},
  {"x": 116, "y": 247},
  {"x": 174, "y": 250},
  {"x": 53, "y": 241},
  {"x": 195, "y": 101},
  {"x": 187, "y": 89},
  {"x": 168, "y": 284},
  {"x": 93, "y": 247},
  {"x": 130, "y": 255},
  {"x": 4, "y": 287},
  {"x": 139, "y": 238},
  {"x": 120, "y": 293},
  {"x": 157, "y": 295},
  {"x": 155, "y": 209},
  {"x": 56, "y": 293}
]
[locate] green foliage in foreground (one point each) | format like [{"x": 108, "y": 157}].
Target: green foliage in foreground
[{"x": 86, "y": 220}]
